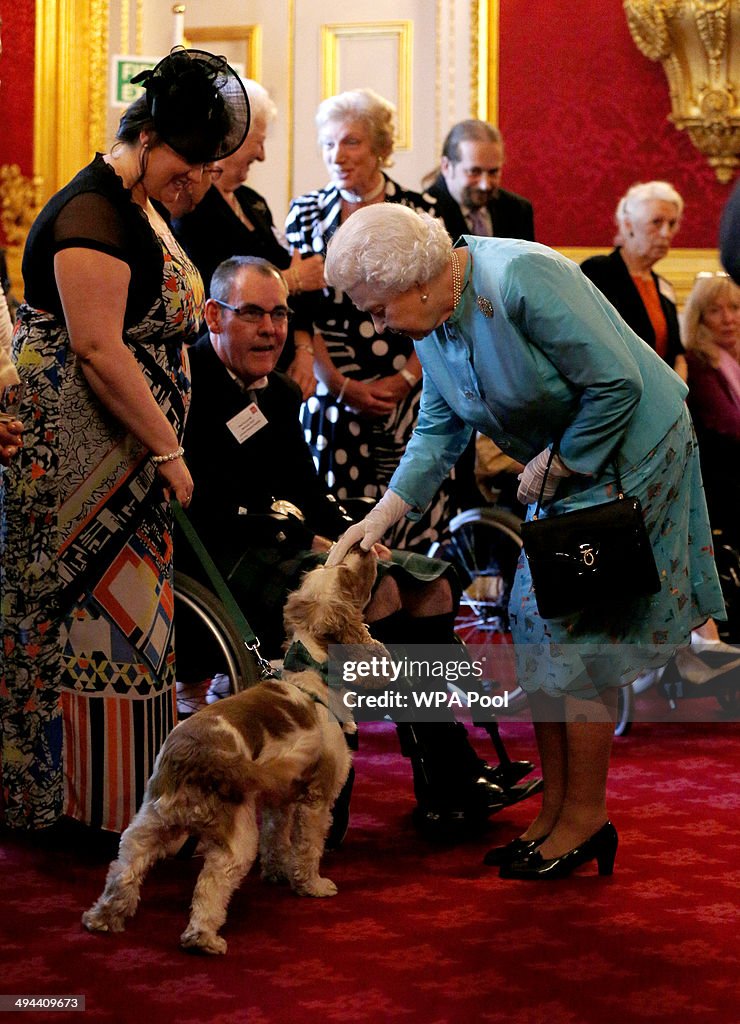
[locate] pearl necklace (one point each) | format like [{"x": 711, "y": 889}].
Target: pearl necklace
[
  {"x": 456, "y": 279},
  {"x": 354, "y": 198}
]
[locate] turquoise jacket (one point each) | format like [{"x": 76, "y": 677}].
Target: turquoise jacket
[{"x": 553, "y": 361}]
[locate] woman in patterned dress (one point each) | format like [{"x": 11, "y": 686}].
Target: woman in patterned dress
[
  {"x": 87, "y": 684},
  {"x": 366, "y": 405}
]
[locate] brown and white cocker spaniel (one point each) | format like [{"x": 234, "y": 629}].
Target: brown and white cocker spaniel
[{"x": 259, "y": 769}]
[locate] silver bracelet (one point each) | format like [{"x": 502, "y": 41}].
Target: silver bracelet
[
  {"x": 177, "y": 454},
  {"x": 408, "y": 376},
  {"x": 343, "y": 388}
]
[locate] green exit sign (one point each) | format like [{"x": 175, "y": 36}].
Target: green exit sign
[{"x": 123, "y": 69}]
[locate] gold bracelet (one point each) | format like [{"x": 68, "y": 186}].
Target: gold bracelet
[
  {"x": 177, "y": 454},
  {"x": 408, "y": 376},
  {"x": 296, "y": 278}
]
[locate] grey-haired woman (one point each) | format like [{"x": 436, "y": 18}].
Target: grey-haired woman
[{"x": 515, "y": 342}]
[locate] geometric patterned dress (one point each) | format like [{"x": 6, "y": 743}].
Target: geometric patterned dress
[{"x": 87, "y": 687}]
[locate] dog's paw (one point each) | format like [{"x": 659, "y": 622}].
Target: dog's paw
[
  {"x": 317, "y": 887},
  {"x": 98, "y": 919},
  {"x": 194, "y": 940},
  {"x": 274, "y": 876}
]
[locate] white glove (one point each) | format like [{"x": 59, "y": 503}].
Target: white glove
[
  {"x": 372, "y": 528},
  {"x": 531, "y": 477}
]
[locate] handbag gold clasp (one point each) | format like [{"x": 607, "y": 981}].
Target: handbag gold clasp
[{"x": 588, "y": 556}]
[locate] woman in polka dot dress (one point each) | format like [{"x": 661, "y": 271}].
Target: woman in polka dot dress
[{"x": 360, "y": 419}]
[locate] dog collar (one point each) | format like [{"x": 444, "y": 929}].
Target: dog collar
[{"x": 298, "y": 659}]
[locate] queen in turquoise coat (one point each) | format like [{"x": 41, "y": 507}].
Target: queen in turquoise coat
[{"x": 516, "y": 343}]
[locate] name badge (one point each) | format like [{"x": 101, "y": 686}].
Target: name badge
[{"x": 247, "y": 422}]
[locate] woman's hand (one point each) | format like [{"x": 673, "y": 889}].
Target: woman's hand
[
  {"x": 368, "y": 399},
  {"x": 305, "y": 275},
  {"x": 178, "y": 483},
  {"x": 395, "y": 388},
  {"x": 10, "y": 439},
  {"x": 531, "y": 477},
  {"x": 368, "y": 532},
  {"x": 301, "y": 371}
]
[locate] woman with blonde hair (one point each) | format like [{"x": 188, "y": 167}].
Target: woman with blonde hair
[
  {"x": 710, "y": 325},
  {"x": 366, "y": 405}
]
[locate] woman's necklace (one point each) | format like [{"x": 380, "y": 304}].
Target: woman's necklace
[
  {"x": 354, "y": 197},
  {"x": 456, "y": 279}
]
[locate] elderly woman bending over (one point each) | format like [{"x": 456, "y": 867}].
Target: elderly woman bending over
[{"x": 515, "y": 342}]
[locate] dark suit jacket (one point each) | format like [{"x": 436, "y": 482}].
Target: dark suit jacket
[
  {"x": 612, "y": 278},
  {"x": 275, "y": 462},
  {"x": 729, "y": 236},
  {"x": 212, "y": 232},
  {"x": 512, "y": 216}
]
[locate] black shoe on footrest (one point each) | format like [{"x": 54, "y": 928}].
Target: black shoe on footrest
[
  {"x": 506, "y": 774},
  {"x": 515, "y": 794},
  {"x": 448, "y": 815}
]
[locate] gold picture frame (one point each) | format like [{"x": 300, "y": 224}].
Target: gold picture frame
[
  {"x": 250, "y": 35},
  {"x": 332, "y": 37}
]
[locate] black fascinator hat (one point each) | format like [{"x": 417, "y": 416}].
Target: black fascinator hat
[{"x": 198, "y": 104}]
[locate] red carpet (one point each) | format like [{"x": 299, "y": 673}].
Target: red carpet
[{"x": 418, "y": 933}]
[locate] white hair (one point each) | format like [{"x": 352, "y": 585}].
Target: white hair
[
  {"x": 364, "y": 105},
  {"x": 388, "y": 247},
  {"x": 644, "y": 192},
  {"x": 260, "y": 101}
]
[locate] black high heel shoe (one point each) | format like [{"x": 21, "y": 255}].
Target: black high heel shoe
[
  {"x": 602, "y": 847},
  {"x": 517, "y": 849}
]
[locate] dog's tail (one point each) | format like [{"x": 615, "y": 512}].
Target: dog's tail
[{"x": 186, "y": 765}]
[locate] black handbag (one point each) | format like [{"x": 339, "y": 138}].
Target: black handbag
[{"x": 596, "y": 556}]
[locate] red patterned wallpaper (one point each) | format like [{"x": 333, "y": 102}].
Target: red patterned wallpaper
[
  {"x": 16, "y": 90},
  {"x": 584, "y": 117}
]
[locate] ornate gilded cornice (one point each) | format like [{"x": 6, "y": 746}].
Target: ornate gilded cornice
[
  {"x": 20, "y": 201},
  {"x": 698, "y": 43}
]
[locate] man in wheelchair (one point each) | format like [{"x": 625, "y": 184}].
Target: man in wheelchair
[{"x": 248, "y": 457}]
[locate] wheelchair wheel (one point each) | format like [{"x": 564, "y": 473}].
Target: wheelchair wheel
[
  {"x": 485, "y": 544},
  {"x": 206, "y": 641},
  {"x": 625, "y": 710}
]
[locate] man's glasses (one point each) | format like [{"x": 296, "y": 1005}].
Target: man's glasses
[{"x": 254, "y": 314}]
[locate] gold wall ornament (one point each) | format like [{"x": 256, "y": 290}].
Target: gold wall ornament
[
  {"x": 698, "y": 43},
  {"x": 69, "y": 87},
  {"x": 484, "y": 17},
  {"x": 20, "y": 201}
]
